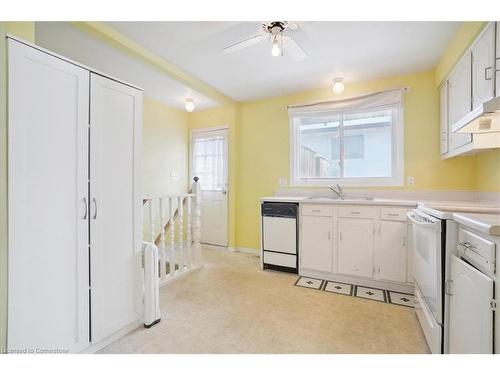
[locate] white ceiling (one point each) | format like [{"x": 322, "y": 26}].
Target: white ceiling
[
  {"x": 68, "y": 41},
  {"x": 353, "y": 50}
]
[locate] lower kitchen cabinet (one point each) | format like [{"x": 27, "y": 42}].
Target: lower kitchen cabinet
[
  {"x": 348, "y": 243},
  {"x": 390, "y": 252},
  {"x": 316, "y": 243},
  {"x": 355, "y": 247}
]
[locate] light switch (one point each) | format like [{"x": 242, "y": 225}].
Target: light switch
[{"x": 411, "y": 181}]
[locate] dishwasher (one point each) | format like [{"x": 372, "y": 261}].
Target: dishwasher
[{"x": 280, "y": 236}]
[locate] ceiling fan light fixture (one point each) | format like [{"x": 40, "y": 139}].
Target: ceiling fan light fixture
[
  {"x": 276, "y": 50},
  {"x": 338, "y": 86},
  {"x": 189, "y": 105}
]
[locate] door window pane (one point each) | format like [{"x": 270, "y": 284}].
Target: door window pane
[{"x": 208, "y": 162}]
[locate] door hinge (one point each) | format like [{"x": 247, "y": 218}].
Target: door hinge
[{"x": 493, "y": 304}]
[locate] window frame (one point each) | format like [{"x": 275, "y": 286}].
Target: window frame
[{"x": 397, "y": 178}]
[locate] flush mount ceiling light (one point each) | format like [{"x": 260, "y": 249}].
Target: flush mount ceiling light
[
  {"x": 338, "y": 85},
  {"x": 189, "y": 105}
]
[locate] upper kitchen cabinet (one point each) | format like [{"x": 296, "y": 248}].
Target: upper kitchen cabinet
[
  {"x": 470, "y": 84},
  {"x": 443, "y": 105},
  {"x": 459, "y": 99},
  {"x": 483, "y": 68},
  {"x": 497, "y": 60}
]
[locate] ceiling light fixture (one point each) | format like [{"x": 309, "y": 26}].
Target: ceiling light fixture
[
  {"x": 338, "y": 85},
  {"x": 276, "y": 50},
  {"x": 189, "y": 105}
]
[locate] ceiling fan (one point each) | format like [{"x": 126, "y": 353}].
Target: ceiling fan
[{"x": 273, "y": 31}]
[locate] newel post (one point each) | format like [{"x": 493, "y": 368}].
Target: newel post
[{"x": 196, "y": 190}]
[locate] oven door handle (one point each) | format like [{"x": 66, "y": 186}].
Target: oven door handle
[{"x": 413, "y": 218}]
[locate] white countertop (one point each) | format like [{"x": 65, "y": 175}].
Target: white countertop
[
  {"x": 485, "y": 223},
  {"x": 319, "y": 200}
]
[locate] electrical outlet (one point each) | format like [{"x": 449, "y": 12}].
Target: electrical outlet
[
  {"x": 283, "y": 182},
  {"x": 174, "y": 176},
  {"x": 411, "y": 181}
]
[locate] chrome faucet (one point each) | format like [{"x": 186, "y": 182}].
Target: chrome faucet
[{"x": 338, "y": 191}]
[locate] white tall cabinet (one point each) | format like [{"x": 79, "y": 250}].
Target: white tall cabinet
[{"x": 74, "y": 213}]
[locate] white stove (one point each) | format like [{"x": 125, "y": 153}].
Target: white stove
[{"x": 435, "y": 236}]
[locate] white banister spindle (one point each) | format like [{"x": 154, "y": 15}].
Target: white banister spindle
[
  {"x": 161, "y": 251},
  {"x": 180, "y": 247},
  {"x": 151, "y": 222},
  {"x": 172, "y": 236},
  {"x": 188, "y": 233},
  {"x": 180, "y": 217},
  {"x": 197, "y": 222}
]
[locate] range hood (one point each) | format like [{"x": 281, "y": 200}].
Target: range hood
[{"x": 484, "y": 119}]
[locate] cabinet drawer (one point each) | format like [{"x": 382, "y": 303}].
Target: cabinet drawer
[
  {"x": 479, "y": 245},
  {"x": 363, "y": 212},
  {"x": 317, "y": 210},
  {"x": 391, "y": 213}
]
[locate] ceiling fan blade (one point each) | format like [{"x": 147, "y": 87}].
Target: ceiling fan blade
[
  {"x": 292, "y": 49},
  {"x": 244, "y": 43}
]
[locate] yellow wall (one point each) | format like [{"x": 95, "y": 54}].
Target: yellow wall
[
  {"x": 165, "y": 149},
  {"x": 264, "y": 143},
  {"x": 224, "y": 116},
  {"x": 487, "y": 171},
  {"x": 25, "y": 30}
]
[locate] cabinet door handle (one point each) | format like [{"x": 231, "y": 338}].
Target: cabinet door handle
[
  {"x": 404, "y": 241},
  {"x": 355, "y": 212},
  {"x": 329, "y": 235},
  {"x": 340, "y": 236},
  {"x": 486, "y": 73},
  {"x": 95, "y": 208},
  {"x": 86, "y": 209}
]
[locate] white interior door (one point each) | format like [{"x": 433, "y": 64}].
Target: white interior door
[
  {"x": 209, "y": 162},
  {"x": 48, "y": 226},
  {"x": 115, "y": 202},
  {"x": 471, "y": 316}
]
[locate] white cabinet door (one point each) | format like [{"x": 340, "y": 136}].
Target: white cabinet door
[
  {"x": 409, "y": 254},
  {"x": 497, "y": 59},
  {"x": 316, "y": 243},
  {"x": 115, "y": 202},
  {"x": 390, "y": 252},
  {"x": 47, "y": 184},
  {"x": 471, "y": 317},
  {"x": 483, "y": 69},
  {"x": 355, "y": 247},
  {"x": 459, "y": 100},
  {"x": 443, "y": 106}
]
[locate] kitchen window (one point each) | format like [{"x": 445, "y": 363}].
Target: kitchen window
[{"x": 352, "y": 142}]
